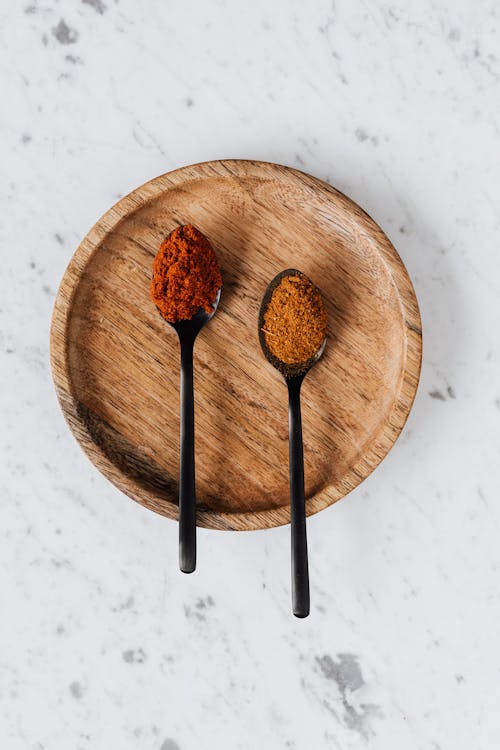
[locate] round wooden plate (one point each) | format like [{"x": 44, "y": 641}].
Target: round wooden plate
[{"x": 116, "y": 362}]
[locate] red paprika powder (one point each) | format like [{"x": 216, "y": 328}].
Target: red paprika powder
[{"x": 186, "y": 275}]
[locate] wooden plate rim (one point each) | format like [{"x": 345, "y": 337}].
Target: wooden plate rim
[{"x": 240, "y": 521}]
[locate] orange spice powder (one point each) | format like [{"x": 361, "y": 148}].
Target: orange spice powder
[{"x": 295, "y": 320}]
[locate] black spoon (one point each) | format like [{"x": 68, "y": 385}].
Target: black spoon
[
  {"x": 187, "y": 331},
  {"x": 294, "y": 375}
]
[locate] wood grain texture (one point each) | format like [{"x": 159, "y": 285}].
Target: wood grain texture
[{"x": 115, "y": 362}]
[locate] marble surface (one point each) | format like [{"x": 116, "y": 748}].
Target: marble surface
[{"x": 104, "y": 644}]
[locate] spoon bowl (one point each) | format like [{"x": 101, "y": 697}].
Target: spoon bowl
[{"x": 287, "y": 370}]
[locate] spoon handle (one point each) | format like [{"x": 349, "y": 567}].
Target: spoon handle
[
  {"x": 187, "y": 494},
  {"x": 300, "y": 568}
]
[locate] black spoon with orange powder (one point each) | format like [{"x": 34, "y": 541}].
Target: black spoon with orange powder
[
  {"x": 186, "y": 288},
  {"x": 292, "y": 334}
]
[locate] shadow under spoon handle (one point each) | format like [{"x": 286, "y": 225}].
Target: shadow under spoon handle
[
  {"x": 187, "y": 493},
  {"x": 300, "y": 568}
]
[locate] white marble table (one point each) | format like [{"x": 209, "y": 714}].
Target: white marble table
[{"x": 104, "y": 643}]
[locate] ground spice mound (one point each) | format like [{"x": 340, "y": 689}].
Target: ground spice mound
[
  {"x": 294, "y": 320},
  {"x": 186, "y": 275}
]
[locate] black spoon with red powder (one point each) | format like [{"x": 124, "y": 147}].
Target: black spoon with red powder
[{"x": 186, "y": 288}]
